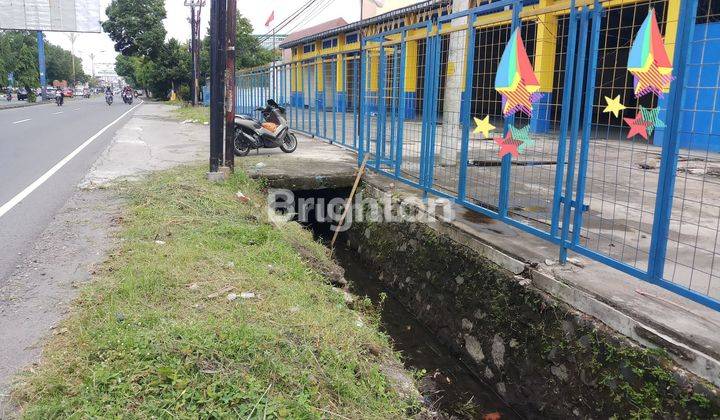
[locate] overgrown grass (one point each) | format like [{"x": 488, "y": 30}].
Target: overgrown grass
[
  {"x": 200, "y": 114},
  {"x": 144, "y": 341}
]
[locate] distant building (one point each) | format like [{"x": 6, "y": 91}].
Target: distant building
[{"x": 266, "y": 41}]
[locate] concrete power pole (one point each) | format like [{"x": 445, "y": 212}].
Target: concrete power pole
[
  {"x": 195, "y": 12},
  {"x": 217, "y": 86},
  {"x": 231, "y": 15},
  {"x": 73, "y": 37}
]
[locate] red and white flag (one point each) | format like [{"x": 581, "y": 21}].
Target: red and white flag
[{"x": 270, "y": 19}]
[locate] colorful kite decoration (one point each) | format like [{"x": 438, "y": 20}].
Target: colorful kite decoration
[
  {"x": 648, "y": 61},
  {"x": 515, "y": 79}
]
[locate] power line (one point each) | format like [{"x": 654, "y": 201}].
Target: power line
[
  {"x": 313, "y": 14},
  {"x": 287, "y": 20}
]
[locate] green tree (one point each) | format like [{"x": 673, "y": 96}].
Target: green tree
[
  {"x": 18, "y": 54},
  {"x": 58, "y": 64},
  {"x": 126, "y": 66},
  {"x": 249, "y": 52},
  {"x": 136, "y": 26}
]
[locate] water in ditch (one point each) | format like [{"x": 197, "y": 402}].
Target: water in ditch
[{"x": 448, "y": 385}]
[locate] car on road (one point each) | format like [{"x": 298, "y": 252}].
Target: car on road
[
  {"x": 68, "y": 93},
  {"x": 22, "y": 94},
  {"x": 78, "y": 92}
]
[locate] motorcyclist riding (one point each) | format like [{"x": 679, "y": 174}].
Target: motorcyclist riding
[
  {"x": 59, "y": 97},
  {"x": 127, "y": 94}
]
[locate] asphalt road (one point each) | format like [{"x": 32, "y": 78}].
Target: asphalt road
[{"x": 34, "y": 142}]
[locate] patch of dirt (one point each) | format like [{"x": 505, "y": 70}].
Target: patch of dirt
[{"x": 38, "y": 294}]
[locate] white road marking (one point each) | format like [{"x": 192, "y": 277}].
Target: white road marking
[
  {"x": 59, "y": 112},
  {"x": 76, "y": 109},
  {"x": 22, "y": 121},
  {"x": 38, "y": 182}
]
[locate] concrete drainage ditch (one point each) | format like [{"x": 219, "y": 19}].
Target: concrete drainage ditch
[{"x": 488, "y": 341}]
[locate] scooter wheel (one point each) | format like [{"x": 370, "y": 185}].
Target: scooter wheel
[
  {"x": 289, "y": 144},
  {"x": 239, "y": 147}
]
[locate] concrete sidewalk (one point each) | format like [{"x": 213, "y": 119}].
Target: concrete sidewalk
[
  {"x": 152, "y": 140},
  {"x": 645, "y": 313}
]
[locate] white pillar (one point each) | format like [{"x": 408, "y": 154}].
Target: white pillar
[{"x": 450, "y": 134}]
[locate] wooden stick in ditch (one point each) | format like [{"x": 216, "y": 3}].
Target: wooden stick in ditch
[{"x": 348, "y": 203}]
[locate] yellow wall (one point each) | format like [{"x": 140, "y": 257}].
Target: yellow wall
[
  {"x": 411, "y": 63},
  {"x": 545, "y": 46}
]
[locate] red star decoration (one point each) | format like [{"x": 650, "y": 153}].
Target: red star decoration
[
  {"x": 508, "y": 145},
  {"x": 637, "y": 126}
]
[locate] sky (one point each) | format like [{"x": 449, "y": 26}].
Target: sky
[{"x": 178, "y": 27}]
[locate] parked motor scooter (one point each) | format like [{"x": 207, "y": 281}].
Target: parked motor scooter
[
  {"x": 8, "y": 96},
  {"x": 273, "y": 132}
]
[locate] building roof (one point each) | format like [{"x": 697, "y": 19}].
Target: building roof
[
  {"x": 313, "y": 30},
  {"x": 315, "y": 34}
]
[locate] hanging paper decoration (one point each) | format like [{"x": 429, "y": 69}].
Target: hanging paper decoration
[
  {"x": 614, "y": 105},
  {"x": 638, "y": 125},
  {"x": 515, "y": 80},
  {"x": 508, "y": 145},
  {"x": 483, "y": 126},
  {"x": 648, "y": 61}
]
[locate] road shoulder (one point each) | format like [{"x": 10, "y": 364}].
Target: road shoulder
[{"x": 39, "y": 292}]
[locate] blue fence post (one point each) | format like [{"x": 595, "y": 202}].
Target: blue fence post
[
  {"x": 41, "y": 64},
  {"x": 309, "y": 99},
  {"x": 670, "y": 150},
  {"x": 344, "y": 67},
  {"x": 381, "y": 111},
  {"x": 323, "y": 99},
  {"x": 564, "y": 118},
  {"x": 361, "y": 103},
  {"x": 570, "y": 179},
  {"x": 587, "y": 120},
  {"x": 436, "y": 72},
  {"x": 316, "y": 76},
  {"x": 333, "y": 66},
  {"x": 427, "y": 106},
  {"x": 506, "y": 164},
  {"x": 358, "y": 86},
  {"x": 401, "y": 111},
  {"x": 393, "y": 103},
  {"x": 465, "y": 116}
]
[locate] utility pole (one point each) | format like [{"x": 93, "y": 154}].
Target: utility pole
[
  {"x": 231, "y": 29},
  {"x": 73, "y": 37},
  {"x": 217, "y": 86},
  {"x": 195, "y": 12}
]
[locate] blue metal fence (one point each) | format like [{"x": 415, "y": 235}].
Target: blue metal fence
[{"x": 411, "y": 97}]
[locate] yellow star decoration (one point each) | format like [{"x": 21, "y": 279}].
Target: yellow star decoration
[
  {"x": 614, "y": 105},
  {"x": 483, "y": 126}
]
